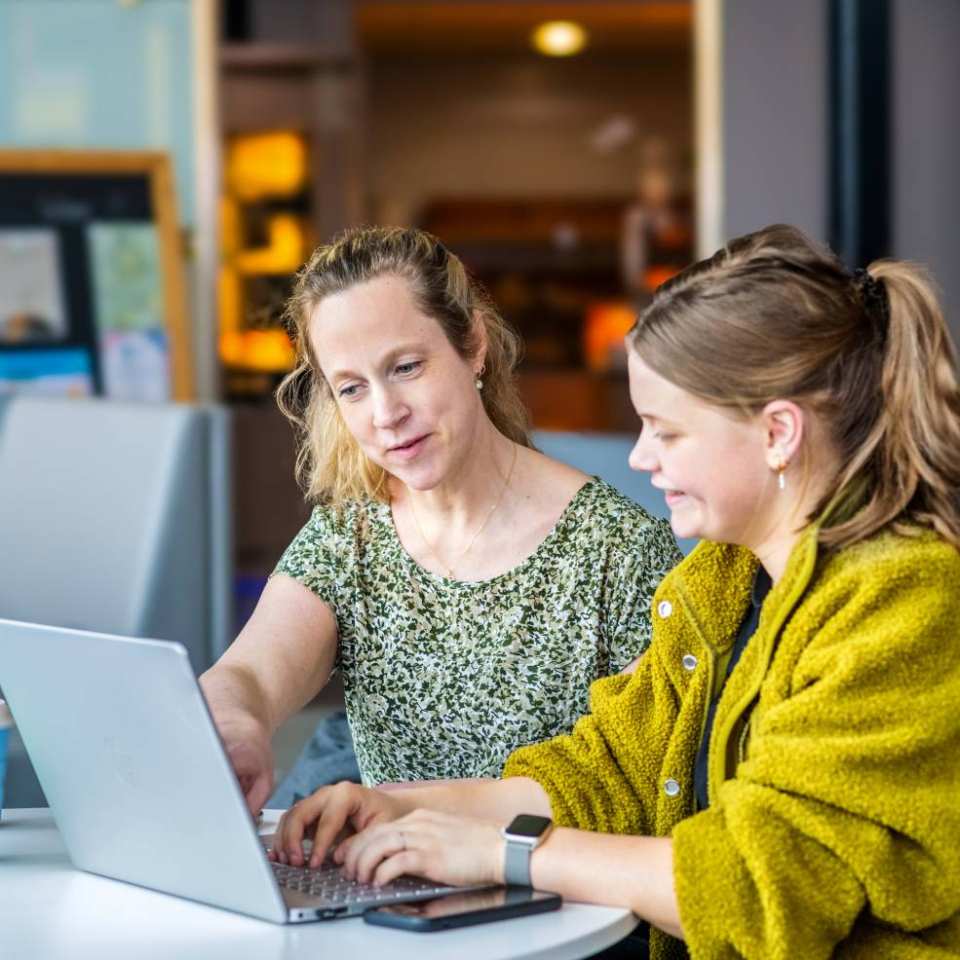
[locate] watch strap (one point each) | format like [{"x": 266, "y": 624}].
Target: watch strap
[{"x": 516, "y": 864}]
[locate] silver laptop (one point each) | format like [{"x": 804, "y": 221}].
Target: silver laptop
[{"x": 139, "y": 783}]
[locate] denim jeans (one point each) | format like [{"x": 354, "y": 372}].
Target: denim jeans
[{"x": 328, "y": 757}]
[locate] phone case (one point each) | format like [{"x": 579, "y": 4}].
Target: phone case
[{"x": 517, "y": 905}]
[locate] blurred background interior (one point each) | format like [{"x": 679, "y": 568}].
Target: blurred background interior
[{"x": 574, "y": 154}]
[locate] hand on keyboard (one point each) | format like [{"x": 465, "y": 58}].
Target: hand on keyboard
[{"x": 329, "y": 815}]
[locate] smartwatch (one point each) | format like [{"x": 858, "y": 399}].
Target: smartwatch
[{"x": 525, "y": 833}]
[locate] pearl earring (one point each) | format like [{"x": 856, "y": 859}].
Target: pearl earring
[
  {"x": 478, "y": 382},
  {"x": 781, "y": 470}
]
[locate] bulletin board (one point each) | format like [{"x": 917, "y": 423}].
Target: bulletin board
[{"x": 91, "y": 276}]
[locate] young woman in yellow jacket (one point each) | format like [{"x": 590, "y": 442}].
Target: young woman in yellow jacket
[{"x": 780, "y": 775}]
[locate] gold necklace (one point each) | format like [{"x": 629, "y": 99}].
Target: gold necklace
[{"x": 480, "y": 529}]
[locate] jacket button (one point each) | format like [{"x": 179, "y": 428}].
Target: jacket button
[
  {"x": 671, "y": 788},
  {"x": 664, "y": 608},
  {"x": 689, "y": 661}
]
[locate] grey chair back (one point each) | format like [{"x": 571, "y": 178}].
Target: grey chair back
[{"x": 115, "y": 517}]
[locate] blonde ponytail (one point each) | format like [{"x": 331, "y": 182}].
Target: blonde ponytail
[{"x": 913, "y": 450}]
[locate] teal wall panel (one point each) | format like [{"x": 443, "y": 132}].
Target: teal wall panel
[{"x": 100, "y": 74}]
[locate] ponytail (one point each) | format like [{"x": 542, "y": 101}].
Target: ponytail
[{"x": 912, "y": 454}]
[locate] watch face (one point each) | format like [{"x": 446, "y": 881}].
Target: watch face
[{"x": 528, "y": 825}]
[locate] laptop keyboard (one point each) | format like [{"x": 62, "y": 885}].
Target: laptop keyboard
[{"x": 332, "y": 886}]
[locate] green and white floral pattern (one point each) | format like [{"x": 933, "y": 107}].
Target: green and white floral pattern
[{"x": 444, "y": 678}]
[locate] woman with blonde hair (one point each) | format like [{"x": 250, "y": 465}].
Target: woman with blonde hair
[
  {"x": 467, "y": 587},
  {"x": 780, "y": 775}
]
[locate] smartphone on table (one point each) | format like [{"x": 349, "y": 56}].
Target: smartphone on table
[{"x": 464, "y": 909}]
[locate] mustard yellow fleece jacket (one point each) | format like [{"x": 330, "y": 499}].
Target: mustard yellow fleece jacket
[{"x": 834, "y": 821}]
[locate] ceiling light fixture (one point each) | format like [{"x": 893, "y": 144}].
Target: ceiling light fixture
[{"x": 559, "y": 38}]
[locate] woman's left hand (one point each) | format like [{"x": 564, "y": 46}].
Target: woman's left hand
[{"x": 438, "y": 846}]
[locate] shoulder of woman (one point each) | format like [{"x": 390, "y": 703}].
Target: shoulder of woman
[
  {"x": 908, "y": 579},
  {"x": 896, "y": 559},
  {"x": 616, "y": 512},
  {"x": 627, "y": 542},
  {"x": 880, "y": 622},
  {"x": 349, "y": 518}
]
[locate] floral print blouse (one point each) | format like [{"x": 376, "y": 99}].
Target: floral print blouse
[{"x": 444, "y": 678}]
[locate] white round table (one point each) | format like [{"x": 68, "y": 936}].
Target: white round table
[{"x": 52, "y": 911}]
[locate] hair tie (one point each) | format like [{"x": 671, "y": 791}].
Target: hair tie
[{"x": 873, "y": 293}]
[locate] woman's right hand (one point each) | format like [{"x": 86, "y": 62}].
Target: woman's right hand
[
  {"x": 248, "y": 749},
  {"x": 329, "y": 814}
]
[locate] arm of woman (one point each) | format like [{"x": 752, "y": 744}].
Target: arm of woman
[
  {"x": 631, "y": 872},
  {"x": 603, "y": 775},
  {"x": 329, "y": 811},
  {"x": 279, "y": 661}
]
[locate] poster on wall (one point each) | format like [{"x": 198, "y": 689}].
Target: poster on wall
[
  {"x": 128, "y": 310},
  {"x": 91, "y": 276},
  {"x": 49, "y": 373},
  {"x": 135, "y": 365},
  {"x": 31, "y": 296}
]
